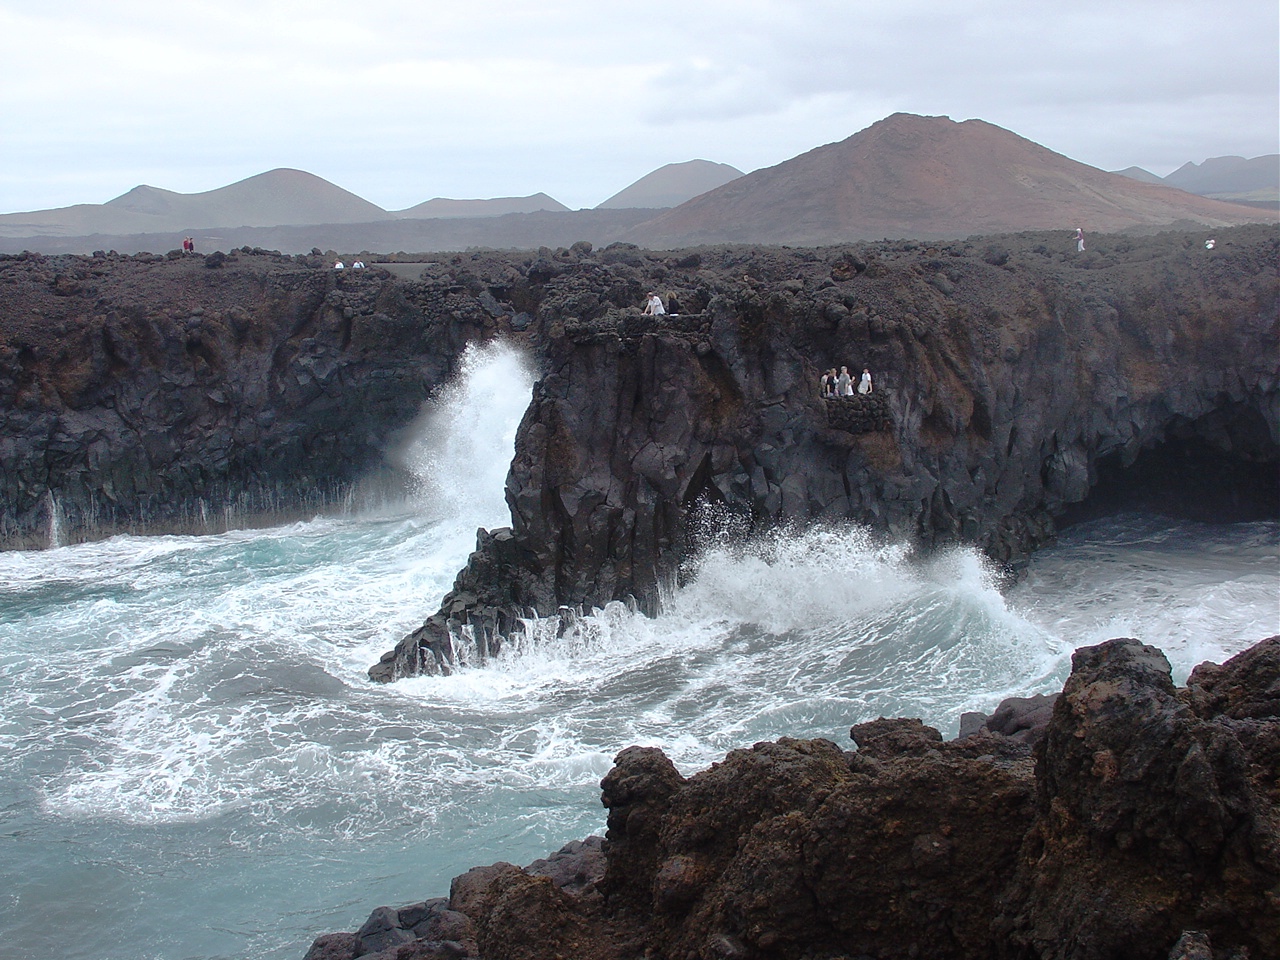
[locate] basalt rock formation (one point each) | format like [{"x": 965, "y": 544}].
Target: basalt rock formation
[
  {"x": 1017, "y": 383},
  {"x": 162, "y": 393},
  {"x": 1143, "y": 825},
  {"x": 1005, "y": 392}
]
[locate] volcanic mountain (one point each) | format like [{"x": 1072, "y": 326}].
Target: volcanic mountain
[
  {"x": 276, "y": 197},
  {"x": 444, "y": 208},
  {"x": 1257, "y": 178},
  {"x": 926, "y": 177},
  {"x": 672, "y": 185}
]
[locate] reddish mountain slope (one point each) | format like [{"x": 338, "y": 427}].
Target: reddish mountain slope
[
  {"x": 281, "y": 196},
  {"x": 912, "y": 176}
]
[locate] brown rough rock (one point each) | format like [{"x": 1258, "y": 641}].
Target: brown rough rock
[
  {"x": 1150, "y": 820},
  {"x": 1144, "y": 829}
]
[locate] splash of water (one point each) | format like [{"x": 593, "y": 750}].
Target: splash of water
[
  {"x": 459, "y": 448},
  {"x": 179, "y": 704},
  {"x": 800, "y": 631},
  {"x": 57, "y": 522}
]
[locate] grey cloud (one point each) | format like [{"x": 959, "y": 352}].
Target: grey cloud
[{"x": 575, "y": 97}]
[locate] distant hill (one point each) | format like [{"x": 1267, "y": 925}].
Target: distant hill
[
  {"x": 905, "y": 176},
  {"x": 1256, "y": 180},
  {"x": 672, "y": 185},
  {"x": 926, "y": 177},
  {"x": 444, "y": 208},
  {"x": 268, "y": 199},
  {"x": 1230, "y": 178},
  {"x": 1138, "y": 173}
]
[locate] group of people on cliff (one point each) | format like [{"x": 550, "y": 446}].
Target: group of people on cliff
[{"x": 841, "y": 384}]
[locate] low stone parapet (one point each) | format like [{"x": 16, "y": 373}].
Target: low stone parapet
[{"x": 860, "y": 413}]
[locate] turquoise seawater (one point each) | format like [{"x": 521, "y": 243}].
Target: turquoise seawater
[{"x": 194, "y": 765}]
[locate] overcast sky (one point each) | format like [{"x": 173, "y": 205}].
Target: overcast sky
[{"x": 400, "y": 102}]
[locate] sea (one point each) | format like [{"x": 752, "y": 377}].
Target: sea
[{"x": 193, "y": 763}]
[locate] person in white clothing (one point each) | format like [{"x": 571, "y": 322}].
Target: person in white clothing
[
  {"x": 339, "y": 265},
  {"x": 1079, "y": 240},
  {"x": 654, "y": 307},
  {"x": 864, "y": 385}
]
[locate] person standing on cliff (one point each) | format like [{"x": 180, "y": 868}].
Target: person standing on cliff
[
  {"x": 824, "y": 384},
  {"x": 864, "y": 385},
  {"x": 844, "y": 383},
  {"x": 654, "y": 307},
  {"x": 1079, "y": 240}
]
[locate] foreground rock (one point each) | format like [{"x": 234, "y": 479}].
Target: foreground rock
[{"x": 1145, "y": 825}]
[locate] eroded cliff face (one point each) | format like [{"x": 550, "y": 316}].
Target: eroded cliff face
[
  {"x": 1009, "y": 383},
  {"x": 1011, "y": 375},
  {"x": 161, "y": 393}
]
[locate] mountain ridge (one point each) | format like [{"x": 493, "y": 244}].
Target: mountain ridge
[
  {"x": 274, "y": 198},
  {"x": 1252, "y": 180},
  {"x": 925, "y": 177},
  {"x": 446, "y": 208},
  {"x": 904, "y": 176}
]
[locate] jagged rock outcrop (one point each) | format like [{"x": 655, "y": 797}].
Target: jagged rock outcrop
[
  {"x": 161, "y": 393},
  {"x": 1004, "y": 393},
  {"x": 1159, "y": 803},
  {"x": 1144, "y": 825},
  {"x": 1014, "y": 380}
]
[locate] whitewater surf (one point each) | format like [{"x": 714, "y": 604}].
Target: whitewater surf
[{"x": 193, "y": 762}]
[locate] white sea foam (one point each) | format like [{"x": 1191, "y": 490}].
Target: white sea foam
[
  {"x": 209, "y": 693},
  {"x": 797, "y": 632},
  {"x": 215, "y": 673},
  {"x": 459, "y": 448},
  {"x": 1197, "y": 591}
]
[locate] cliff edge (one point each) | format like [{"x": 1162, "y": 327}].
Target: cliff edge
[{"x": 1013, "y": 383}]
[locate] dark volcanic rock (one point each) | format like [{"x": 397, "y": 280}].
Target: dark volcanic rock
[
  {"x": 883, "y": 739},
  {"x": 999, "y": 405},
  {"x": 1153, "y": 809},
  {"x": 792, "y": 848},
  {"x": 1146, "y": 828},
  {"x": 1022, "y": 718},
  {"x": 146, "y": 393},
  {"x": 150, "y": 393},
  {"x": 575, "y": 868}
]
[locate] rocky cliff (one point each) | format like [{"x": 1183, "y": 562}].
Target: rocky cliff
[
  {"x": 1016, "y": 381},
  {"x": 1131, "y": 820},
  {"x": 1012, "y": 378},
  {"x": 158, "y": 393}
]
